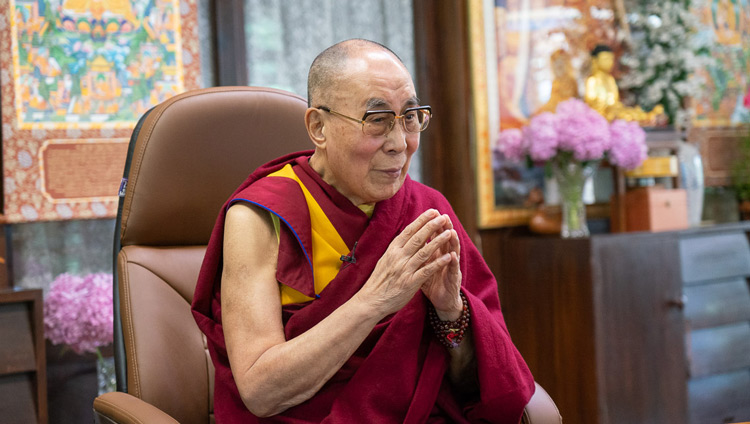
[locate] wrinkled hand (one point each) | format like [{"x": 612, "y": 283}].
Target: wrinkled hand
[
  {"x": 412, "y": 259},
  {"x": 443, "y": 287}
]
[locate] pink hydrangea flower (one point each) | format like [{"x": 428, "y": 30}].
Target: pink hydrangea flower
[
  {"x": 746, "y": 102},
  {"x": 579, "y": 130},
  {"x": 78, "y": 311},
  {"x": 541, "y": 137},
  {"x": 511, "y": 144},
  {"x": 628, "y": 147},
  {"x": 582, "y": 130}
]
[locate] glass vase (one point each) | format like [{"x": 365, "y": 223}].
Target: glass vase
[
  {"x": 571, "y": 177},
  {"x": 105, "y": 374}
]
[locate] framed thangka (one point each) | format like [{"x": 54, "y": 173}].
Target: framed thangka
[
  {"x": 76, "y": 76},
  {"x": 725, "y": 97},
  {"x": 526, "y": 55}
]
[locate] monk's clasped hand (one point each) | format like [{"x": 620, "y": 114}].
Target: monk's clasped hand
[
  {"x": 443, "y": 288},
  {"x": 425, "y": 248}
]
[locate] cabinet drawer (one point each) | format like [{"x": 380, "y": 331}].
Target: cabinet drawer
[
  {"x": 719, "y": 350},
  {"x": 714, "y": 257},
  {"x": 721, "y": 303},
  {"x": 17, "y": 347},
  {"x": 17, "y": 399},
  {"x": 720, "y": 399}
]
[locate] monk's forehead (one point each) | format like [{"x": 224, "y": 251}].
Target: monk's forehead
[{"x": 373, "y": 77}]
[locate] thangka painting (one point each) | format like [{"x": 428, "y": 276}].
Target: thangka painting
[
  {"x": 725, "y": 99},
  {"x": 527, "y": 55},
  {"x": 76, "y": 75}
]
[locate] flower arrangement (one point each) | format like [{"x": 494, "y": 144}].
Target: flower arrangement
[
  {"x": 571, "y": 142},
  {"x": 662, "y": 56},
  {"x": 78, "y": 312},
  {"x": 575, "y": 132}
]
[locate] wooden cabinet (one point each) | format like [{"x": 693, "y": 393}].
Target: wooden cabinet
[
  {"x": 716, "y": 270},
  {"x": 23, "y": 383},
  {"x": 599, "y": 322},
  {"x": 634, "y": 327}
]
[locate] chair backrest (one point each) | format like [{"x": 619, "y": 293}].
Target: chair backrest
[{"x": 186, "y": 157}]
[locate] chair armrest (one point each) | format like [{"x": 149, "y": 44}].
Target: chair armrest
[
  {"x": 118, "y": 407},
  {"x": 541, "y": 409}
]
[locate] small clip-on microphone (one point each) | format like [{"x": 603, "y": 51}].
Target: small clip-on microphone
[{"x": 349, "y": 259}]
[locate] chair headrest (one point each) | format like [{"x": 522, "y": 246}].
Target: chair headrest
[{"x": 193, "y": 150}]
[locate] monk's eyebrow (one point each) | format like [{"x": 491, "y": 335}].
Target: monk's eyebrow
[
  {"x": 414, "y": 101},
  {"x": 376, "y": 103}
]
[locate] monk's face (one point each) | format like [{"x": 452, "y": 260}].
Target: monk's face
[{"x": 368, "y": 169}]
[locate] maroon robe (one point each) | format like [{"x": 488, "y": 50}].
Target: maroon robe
[{"x": 398, "y": 374}]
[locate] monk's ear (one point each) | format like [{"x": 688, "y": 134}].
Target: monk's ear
[{"x": 315, "y": 126}]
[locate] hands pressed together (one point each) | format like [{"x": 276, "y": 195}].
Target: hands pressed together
[{"x": 424, "y": 256}]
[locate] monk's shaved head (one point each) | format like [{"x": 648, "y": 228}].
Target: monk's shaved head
[{"x": 329, "y": 67}]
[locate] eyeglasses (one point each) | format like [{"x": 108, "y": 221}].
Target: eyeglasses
[{"x": 376, "y": 123}]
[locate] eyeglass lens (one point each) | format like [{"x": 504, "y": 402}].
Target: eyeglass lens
[{"x": 413, "y": 121}]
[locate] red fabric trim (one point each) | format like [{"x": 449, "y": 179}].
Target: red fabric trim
[{"x": 349, "y": 220}]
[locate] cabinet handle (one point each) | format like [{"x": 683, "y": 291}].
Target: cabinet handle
[{"x": 678, "y": 303}]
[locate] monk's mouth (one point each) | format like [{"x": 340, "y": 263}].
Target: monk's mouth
[{"x": 393, "y": 173}]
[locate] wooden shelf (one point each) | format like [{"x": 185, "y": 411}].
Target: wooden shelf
[{"x": 23, "y": 375}]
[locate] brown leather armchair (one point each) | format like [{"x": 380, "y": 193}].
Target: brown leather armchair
[{"x": 186, "y": 156}]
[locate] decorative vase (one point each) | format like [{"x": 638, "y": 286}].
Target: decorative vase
[
  {"x": 691, "y": 178},
  {"x": 105, "y": 374},
  {"x": 571, "y": 177}
]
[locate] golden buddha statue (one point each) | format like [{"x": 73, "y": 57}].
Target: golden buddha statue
[
  {"x": 564, "y": 85},
  {"x": 604, "y": 97}
]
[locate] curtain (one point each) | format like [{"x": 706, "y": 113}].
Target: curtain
[{"x": 40, "y": 251}]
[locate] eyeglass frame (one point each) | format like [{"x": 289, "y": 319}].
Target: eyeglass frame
[{"x": 393, "y": 123}]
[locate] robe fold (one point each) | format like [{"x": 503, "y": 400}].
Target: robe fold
[{"x": 398, "y": 374}]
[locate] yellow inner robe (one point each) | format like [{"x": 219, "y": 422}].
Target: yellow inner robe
[{"x": 327, "y": 244}]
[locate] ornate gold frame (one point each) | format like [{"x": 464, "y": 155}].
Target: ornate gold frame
[
  {"x": 481, "y": 58},
  {"x": 489, "y": 215}
]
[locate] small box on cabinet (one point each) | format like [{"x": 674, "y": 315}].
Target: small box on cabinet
[{"x": 656, "y": 209}]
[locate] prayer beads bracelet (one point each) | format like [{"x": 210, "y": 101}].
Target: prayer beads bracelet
[{"x": 450, "y": 333}]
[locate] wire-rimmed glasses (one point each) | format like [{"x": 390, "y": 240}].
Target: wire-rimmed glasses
[{"x": 376, "y": 123}]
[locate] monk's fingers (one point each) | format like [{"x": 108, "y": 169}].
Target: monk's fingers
[
  {"x": 448, "y": 222},
  {"x": 455, "y": 267},
  {"x": 415, "y": 226},
  {"x": 428, "y": 251},
  {"x": 438, "y": 252},
  {"x": 455, "y": 244},
  {"x": 424, "y": 235},
  {"x": 431, "y": 268}
]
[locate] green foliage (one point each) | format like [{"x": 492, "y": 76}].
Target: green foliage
[
  {"x": 662, "y": 56},
  {"x": 741, "y": 169}
]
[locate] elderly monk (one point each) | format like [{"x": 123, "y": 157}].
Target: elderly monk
[{"x": 336, "y": 289}]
